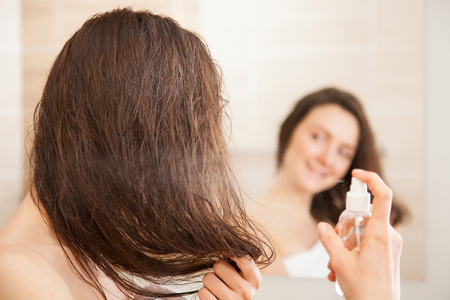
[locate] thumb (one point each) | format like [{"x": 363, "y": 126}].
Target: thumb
[{"x": 330, "y": 240}]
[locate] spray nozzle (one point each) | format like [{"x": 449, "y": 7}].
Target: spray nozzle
[
  {"x": 358, "y": 186},
  {"x": 358, "y": 198}
]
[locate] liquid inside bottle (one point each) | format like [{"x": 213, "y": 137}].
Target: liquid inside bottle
[{"x": 351, "y": 227}]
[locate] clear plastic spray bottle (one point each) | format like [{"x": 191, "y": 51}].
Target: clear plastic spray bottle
[{"x": 354, "y": 218}]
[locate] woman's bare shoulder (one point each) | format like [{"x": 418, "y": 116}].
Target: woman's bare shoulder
[{"x": 26, "y": 274}]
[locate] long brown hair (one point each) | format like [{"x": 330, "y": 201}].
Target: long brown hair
[
  {"x": 129, "y": 159},
  {"x": 328, "y": 205}
]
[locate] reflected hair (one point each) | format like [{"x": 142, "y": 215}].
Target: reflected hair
[
  {"x": 130, "y": 163},
  {"x": 328, "y": 205}
]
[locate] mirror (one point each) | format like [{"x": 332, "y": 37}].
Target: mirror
[{"x": 273, "y": 53}]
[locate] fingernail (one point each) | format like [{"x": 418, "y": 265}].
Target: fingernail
[{"x": 322, "y": 228}]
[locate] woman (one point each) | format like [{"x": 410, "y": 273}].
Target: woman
[
  {"x": 325, "y": 137},
  {"x": 131, "y": 185},
  {"x": 131, "y": 182}
]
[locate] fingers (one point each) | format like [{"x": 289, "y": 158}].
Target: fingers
[
  {"x": 227, "y": 283},
  {"x": 216, "y": 287},
  {"x": 331, "y": 276},
  {"x": 228, "y": 274},
  {"x": 205, "y": 294},
  {"x": 331, "y": 241},
  {"x": 382, "y": 201},
  {"x": 330, "y": 267},
  {"x": 250, "y": 271}
]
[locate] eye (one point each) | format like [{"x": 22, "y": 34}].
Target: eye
[
  {"x": 345, "y": 153},
  {"x": 318, "y": 137}
]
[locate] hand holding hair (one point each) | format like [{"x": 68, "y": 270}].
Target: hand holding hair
[
  {"x": 227, "y": 283},
  {"x": 371, "y": 270}
]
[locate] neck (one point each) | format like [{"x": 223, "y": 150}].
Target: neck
[
  {"x": 33, "y": 223},
  {"x": 287, "y": 197}
]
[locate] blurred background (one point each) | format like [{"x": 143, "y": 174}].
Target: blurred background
[{"x": 271, "y": 53}]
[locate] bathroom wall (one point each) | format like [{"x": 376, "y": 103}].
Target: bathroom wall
[{"x": 11, "y": 124}]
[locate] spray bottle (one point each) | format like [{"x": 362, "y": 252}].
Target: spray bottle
[{"x": 354, "y": 218}]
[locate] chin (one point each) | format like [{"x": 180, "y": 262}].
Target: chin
[
  {"x": 319, "y": 188},
  {"x": 315, "y": 188}
]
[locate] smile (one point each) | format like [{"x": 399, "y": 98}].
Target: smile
[{"x": 316, "y": 173}]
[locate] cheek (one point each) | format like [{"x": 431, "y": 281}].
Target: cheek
[
  {"x": 342, "y": 168},
  {"x": 295, "y": 155},
  {"x": 305, "y": 147}
]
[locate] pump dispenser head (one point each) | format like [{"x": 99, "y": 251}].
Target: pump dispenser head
[{"x": 358, "y": 198}]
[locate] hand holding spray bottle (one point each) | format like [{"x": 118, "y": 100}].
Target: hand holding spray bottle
[{"x": 354, "y": 218}]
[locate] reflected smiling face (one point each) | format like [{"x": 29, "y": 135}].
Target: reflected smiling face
[{"x": 321, "y": 148}]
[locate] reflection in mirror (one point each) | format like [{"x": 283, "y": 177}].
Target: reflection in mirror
[
  {"x": 274, "y": 53},
  {"x": 324, "y": 137}
]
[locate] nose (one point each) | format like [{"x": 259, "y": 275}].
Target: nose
[{"x": 326, "y": 156}]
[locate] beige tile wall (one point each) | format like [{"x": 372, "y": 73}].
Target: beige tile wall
[
  {"x": 10, "y": 108},
  {"x": 274, "y": 52}
]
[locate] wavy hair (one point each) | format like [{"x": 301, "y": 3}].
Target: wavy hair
[
  {"x": 129, "y": 159},
  {"x": 328, "y": 205}
]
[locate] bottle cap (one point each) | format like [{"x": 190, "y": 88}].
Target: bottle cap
[{"x": 358, "y": 198}]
